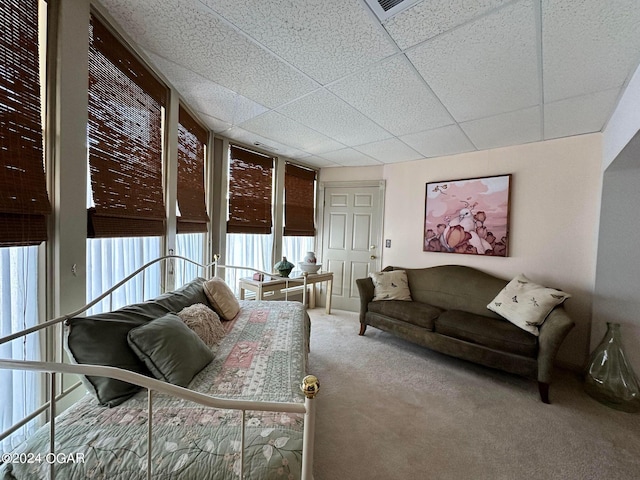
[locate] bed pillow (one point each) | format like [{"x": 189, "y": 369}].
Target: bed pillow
[
  {"x": 391, "y": 285},
  {"x": 221, "y": 298},
  {"x": 526, "y": 304},
  {"x": 205, "y": 322},
  {"x": 170, "y": 350}
]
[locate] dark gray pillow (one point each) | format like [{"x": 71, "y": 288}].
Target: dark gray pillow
[
  {"x": 171, "y": 351},
  {"x": 102, "y": 339}
]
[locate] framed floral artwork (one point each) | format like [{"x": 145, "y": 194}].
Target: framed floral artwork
[{"x": 469, "y": 216}]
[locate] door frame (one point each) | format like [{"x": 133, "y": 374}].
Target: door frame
[{"x": 381, "y": 184}]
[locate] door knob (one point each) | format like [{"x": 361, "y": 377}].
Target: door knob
[
  {"x": 373, "y": 257},
  {"x": 372, "y": 247}
]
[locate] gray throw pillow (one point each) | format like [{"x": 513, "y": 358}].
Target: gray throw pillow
[
  {"x": 171, "y": 351},
  {"x": 101, "y": 339}
]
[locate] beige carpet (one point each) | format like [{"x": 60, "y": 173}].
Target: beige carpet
[{"x": 390, "y": 410}]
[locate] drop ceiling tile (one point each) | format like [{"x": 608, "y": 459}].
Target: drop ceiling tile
[
  {"x": 215, "y": 124},
  {"x": 578, "y": 115},
  {"x": 187, "y": 33},
  {"x": 252, "y": 140},
  {"x": 430, "y": 18},
  {"x": 279, "y": 128},
  {"x": 394, "y": 96},
  {"x": 348, "y": 157},
  {"x": 513, "y": 128},
  {"x": 207, "y": 96},
  {"x": 389, "y": 151},
  {"x": 588, "y": 46},
  {"x": 327, "y": 114},
  {"x": 486, "y": 67},
  {"x": 315, "y": 161},
  {"x": 326, "y": 40},
  {"x": 439, "y": 142}
]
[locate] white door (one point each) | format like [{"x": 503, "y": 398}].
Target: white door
[{"x": 351, "y": 238}]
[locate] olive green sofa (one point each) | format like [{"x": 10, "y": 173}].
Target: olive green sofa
[{"x": 448, "y": 314}]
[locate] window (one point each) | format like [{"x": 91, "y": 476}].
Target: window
[
  {"x": 192, "y": 145},
  {"x": 126, "y": 112},
  {"x": 24, "y": 203},
  {"x": 299, "y": 212},
  {"x": 192, "y": 217},
  {"x": 250, "y": 221},
  {"x": 125, "y": 138},
  {"x": 299, "y": 201},
  {"x": 250, "y": 192}
]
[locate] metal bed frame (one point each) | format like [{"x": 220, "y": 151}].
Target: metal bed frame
[{"x": 309, "y": 384}]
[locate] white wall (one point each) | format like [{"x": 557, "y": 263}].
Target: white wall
[
  {"x": 346, "y": 174},
  {"x": 555, "y": 202}
]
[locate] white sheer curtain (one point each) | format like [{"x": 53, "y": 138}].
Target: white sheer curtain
[
  {"x": 191, "y": 246},
  {"x": 295, "y": 248},
  {"x": 247, "y": 250},
  {"x": 256, "y": 251},
  {"x": 109, "y": 260},
  {"x": 20, "y": 391}
]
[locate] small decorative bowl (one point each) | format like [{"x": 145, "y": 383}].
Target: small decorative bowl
[{"x": 309, "y": 267}]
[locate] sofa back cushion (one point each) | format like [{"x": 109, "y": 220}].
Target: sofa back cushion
[{"x": 455, "y": 287}]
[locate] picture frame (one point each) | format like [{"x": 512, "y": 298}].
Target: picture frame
[{"x": 468, "y": 216}]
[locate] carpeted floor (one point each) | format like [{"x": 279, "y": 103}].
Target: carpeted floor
[{"x": 390, "y": 410}]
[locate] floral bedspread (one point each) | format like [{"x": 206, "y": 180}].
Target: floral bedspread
[{"x": 263, "y": 357}]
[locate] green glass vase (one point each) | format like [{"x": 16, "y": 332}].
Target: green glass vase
[{"x": 609, "y": 377}]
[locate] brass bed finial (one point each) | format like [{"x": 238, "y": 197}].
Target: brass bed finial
[{"x": 310, "y": 386}]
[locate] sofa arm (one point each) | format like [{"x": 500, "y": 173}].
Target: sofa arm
[
  {"x": 552, "y": 332},
  {"x": 366, "y": 291}
]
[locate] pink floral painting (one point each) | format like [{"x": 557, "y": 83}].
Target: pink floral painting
[{"x": 468, "y": 216}]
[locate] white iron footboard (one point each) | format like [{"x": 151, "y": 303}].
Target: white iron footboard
[{"x": 309, "y": 385}]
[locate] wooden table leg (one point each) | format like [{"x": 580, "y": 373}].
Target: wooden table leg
[{"x": 328, "y": 301}]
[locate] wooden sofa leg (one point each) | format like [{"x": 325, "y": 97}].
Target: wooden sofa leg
[
  {"x": 543, "y": 388},
  {"x": 363, "y": 328}
]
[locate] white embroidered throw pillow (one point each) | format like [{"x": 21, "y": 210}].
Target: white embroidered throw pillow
[
  {"x": 526, "y": 304},
  {"x": 391, "y": 285}
]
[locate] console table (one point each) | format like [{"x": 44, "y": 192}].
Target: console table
[{"x": 275, "y": 285}]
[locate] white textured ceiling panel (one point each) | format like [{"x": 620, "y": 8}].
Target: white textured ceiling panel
[
  {"x": 349, "y": 157},
  {"x": 577, "y": 115},
  {"x": 327, "y": 114},
  {"x": 324, "y": 82},
  {"x": 206, "y": 96},
  {"x": 486, "y": 67},
  {"x": 282, "y": 129},
  {"x": 428, "y": 19},
  {"x": 215, "y": 124},
  {"x": 262, "y": 144},
  {"x": 589, "y": 46},
  {"x": 184, "y": 32},
  {"x": 389, "y": 151},
  {"x": 324, "y": 46},
  {"x": 394, "y": 96},
  {"x": 513, "y": 128},
  {"x": 439, "y": 142}
]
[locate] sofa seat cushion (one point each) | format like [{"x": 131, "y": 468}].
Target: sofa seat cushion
[
  {"x": 417, "y": 313},
  {"x": 488, "y": 332}
]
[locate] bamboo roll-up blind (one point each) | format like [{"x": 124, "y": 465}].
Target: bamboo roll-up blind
[
  {"x": 24, "y": 203},
  {"x": 125, "y": 140},
  {"x": 192, "y": 139},
  {"x": 250, "y": 192},
  {"x": 299, "y": 201}
]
